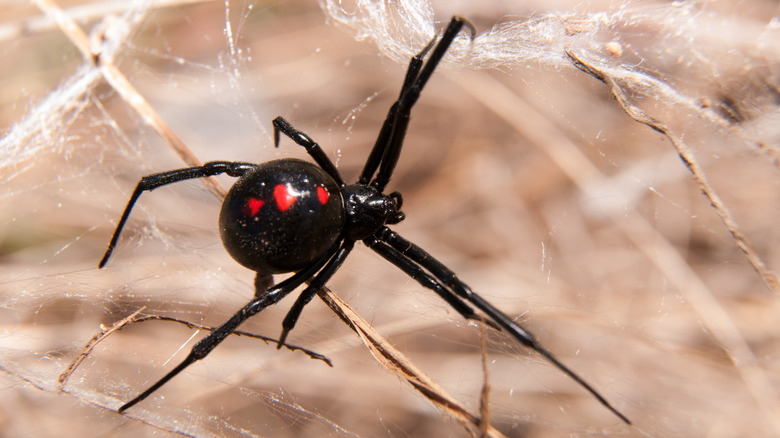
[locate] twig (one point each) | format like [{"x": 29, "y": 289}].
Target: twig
[
  {"x": 102, "y": 334},
  {"x": 104, "y": 60},
  {"x": 768, "y": 277},
  {"x": 396, "y": 362},
  {"x": 484, "y": 399},
  {"x": 312, "y": 354},
  {"x": 135, "y": 318}
]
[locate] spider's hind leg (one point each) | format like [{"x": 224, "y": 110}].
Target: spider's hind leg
[
  {"x": 151, "y": 182},
  {"x": 261, "y": 301}
]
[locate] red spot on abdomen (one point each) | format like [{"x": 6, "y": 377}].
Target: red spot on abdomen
[
  {"x": 284, "y": 199},
  {"x": 252, "y": 207},
  {"x": 322, "y": 195}
]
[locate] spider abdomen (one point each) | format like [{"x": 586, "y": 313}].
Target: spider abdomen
[{"x": 281, "y": 216}]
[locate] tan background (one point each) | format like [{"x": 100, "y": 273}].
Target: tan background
[{"x": 545, "y": 197}]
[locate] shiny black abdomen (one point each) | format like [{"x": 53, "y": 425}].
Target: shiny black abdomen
[{"x": 281, "y": 216}]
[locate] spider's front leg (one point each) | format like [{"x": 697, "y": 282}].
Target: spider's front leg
[
  {"x": 420, "y": 259},
  {"x": 387, "y": 148},
  {"x": 425, "y": 279}
]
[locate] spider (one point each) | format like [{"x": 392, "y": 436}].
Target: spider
[{"x": 289, "y": 215}]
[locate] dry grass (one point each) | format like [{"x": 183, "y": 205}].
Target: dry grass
[{"x": 533, "y": 184}]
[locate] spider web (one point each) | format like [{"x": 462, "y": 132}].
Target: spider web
[{"x": 543, "y": 164}]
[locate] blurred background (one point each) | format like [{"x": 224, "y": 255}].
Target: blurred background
[{"x": 520, "y": 172}]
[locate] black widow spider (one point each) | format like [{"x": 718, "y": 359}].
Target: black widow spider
[{"x": 289, "y": 215}]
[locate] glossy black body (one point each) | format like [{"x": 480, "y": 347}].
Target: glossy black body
[
  {"x": 368, "y": 210},
  {"x": 275, "y": 235}
]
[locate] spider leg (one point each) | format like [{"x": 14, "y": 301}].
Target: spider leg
[
  {"x": 260, "y": 302},
  {"x": 311, "y": 290},
  {"x": 314, "y": 150},
  {"x": 446, "y": 276},
  {"x": 375, "y": 157},
  {"x": 151, "y": 182},
  {"x": 426, "y": 280},
  {"x": 398, "y": 117}
]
